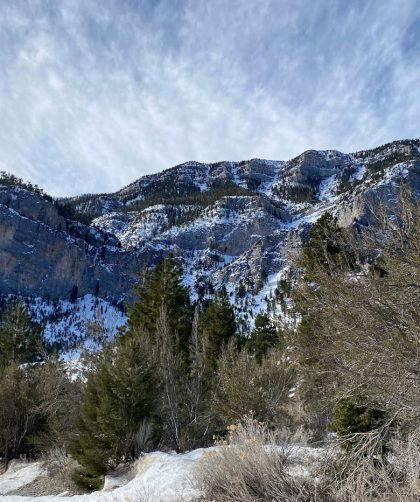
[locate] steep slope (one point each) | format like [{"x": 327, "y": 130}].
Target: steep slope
[
  {"x": 43, "y": 253},
  {"x": 231, "y": 224}
]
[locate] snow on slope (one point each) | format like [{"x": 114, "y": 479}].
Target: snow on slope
[
  {"x": 19, "y": 474},
  {"x": 237, "y": 239},
  {"x": 82, "y": 324},
  {"x": 156, "y": 477},
  {"x": 213, "y": 247}
]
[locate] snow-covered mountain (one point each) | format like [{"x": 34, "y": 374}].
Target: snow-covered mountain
[{"x": 231, "y": 224}]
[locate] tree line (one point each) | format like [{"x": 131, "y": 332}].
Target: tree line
[
  {"x": 343, "y": 358},
  {"x": 164, "y": 382}
]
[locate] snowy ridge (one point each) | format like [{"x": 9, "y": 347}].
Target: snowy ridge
[{"x": 230, "y": 224}]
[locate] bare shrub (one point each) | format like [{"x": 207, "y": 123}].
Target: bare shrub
[
  {"x": 251, "y": 466},
  {"x": 242, "y": 385},
  {"x": 57, "y": 459},
  {"x": 359, "y": 330},
  {"x": 366, "y": 475},
  {"x": 143, "y": 438}
]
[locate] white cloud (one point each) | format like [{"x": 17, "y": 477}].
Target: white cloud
[{"x": 96, "y": 94}]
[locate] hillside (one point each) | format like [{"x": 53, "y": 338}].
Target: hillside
[{"x": 230, "y": 224}]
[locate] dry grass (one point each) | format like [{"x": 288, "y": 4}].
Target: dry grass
[
  {"x": 249, "y": 467},
  {"x": 366, "y": 475},
  {"x": 55, "y": 479}
]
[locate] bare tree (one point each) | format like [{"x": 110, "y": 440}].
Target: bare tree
[
  {"x": 365, "y": 333},
  {"x": 171, "y": 374},
  {"x": 17, "y": 414},
  {"x": 198, "y": 352}
]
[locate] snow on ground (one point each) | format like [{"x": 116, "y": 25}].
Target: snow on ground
[
  {"x": 359, "y": 174},
  {"x": 18, "y": 475},
  {"x": 67, "y": 322},
  {"x": 393, "y": 174},
  {"x": 266, "y": 186},
  {"x": 156, "y": 477}
]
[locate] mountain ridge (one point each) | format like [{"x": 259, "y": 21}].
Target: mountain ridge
[{"x": 230, "y": 224}]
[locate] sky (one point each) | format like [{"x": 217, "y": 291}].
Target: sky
[{"x": 96, "y": 93}]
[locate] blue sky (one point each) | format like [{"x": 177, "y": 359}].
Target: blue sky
[{"x": 96, "y": 93}]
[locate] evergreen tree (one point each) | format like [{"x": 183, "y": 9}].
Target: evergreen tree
[
  {"x": 353, "y": 416},
  {"x": 264, "y": 337},
  {"x": 74, "y": 293},
  {"x": 327, "y": 247},
  {"x": 19, "y": 336},
  {"x": 218, "y": 321},
  {"x": 157, "y": 286},
  {"x": 119, "y": 396}
]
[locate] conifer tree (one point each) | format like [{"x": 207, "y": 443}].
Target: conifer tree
[
  {"x": 218, "y": 321},
  {"x": 19, "y": 336},
  {"x": 327, "y": 247},
  {"x": 118, "y": 397},
  {"x": 264, "y": 337},
  {"x": 162, "y": 284}
]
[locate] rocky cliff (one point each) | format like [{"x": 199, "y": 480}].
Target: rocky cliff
[
  {"x": 231, "y": 224},
  {"x": 44, "y": 254}
]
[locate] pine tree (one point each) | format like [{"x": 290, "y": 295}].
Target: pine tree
[
  {"x": 162, "y": 285},
  {"x": 119, "y": 396},
  {"x": 218, "y": 321},
  {"x": 327, "y": 247},
  {"x": 19, "y": 336},
  {"x": 353, "y": 416},
  {"x": 264, "y": 337}
]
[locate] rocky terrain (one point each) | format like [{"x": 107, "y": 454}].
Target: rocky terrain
[{"x": 231, "y": 224}]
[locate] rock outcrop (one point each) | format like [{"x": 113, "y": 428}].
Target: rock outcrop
[
  {"x": 231, "y": 224},
  {"x": 43, "y": 254}
]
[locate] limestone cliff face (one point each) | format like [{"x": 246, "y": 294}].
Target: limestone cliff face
[
  {"x": 228, "y": 223},
  {"x": 43, "y": 254}
]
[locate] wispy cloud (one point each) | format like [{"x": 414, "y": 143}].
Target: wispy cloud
[{"x": 95, "y": 94}]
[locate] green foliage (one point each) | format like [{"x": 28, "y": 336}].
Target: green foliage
[
  {"x": 159, "y": 285},
  {"x": 241, "y": 292},
  {"x": 193, "y": 197},
  {"x": 7, "y": 179},
  {"x": 89, "y": 206},
  {"x": 119, "y": 395},
  {"x": 218, "y": 322},
  {"x": 19, "y": 336},
  {"x": 87, "y": 481},
  {"x": 354, "y": 416},
  {"x": 344, "y": 180},
  {"x": 155, "y": 373},
  {"x": 297, "y": 192},
  {"x": 264, "y": 337},
  {"x": 327, "y": 247},
  {"x": 327, "y": 253},
  {"x": 70, "y": 212}
]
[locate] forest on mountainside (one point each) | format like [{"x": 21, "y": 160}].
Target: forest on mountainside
[{"x": 339, "y": 368}]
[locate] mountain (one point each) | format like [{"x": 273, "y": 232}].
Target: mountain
[{"x": 231, "y": 224}]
